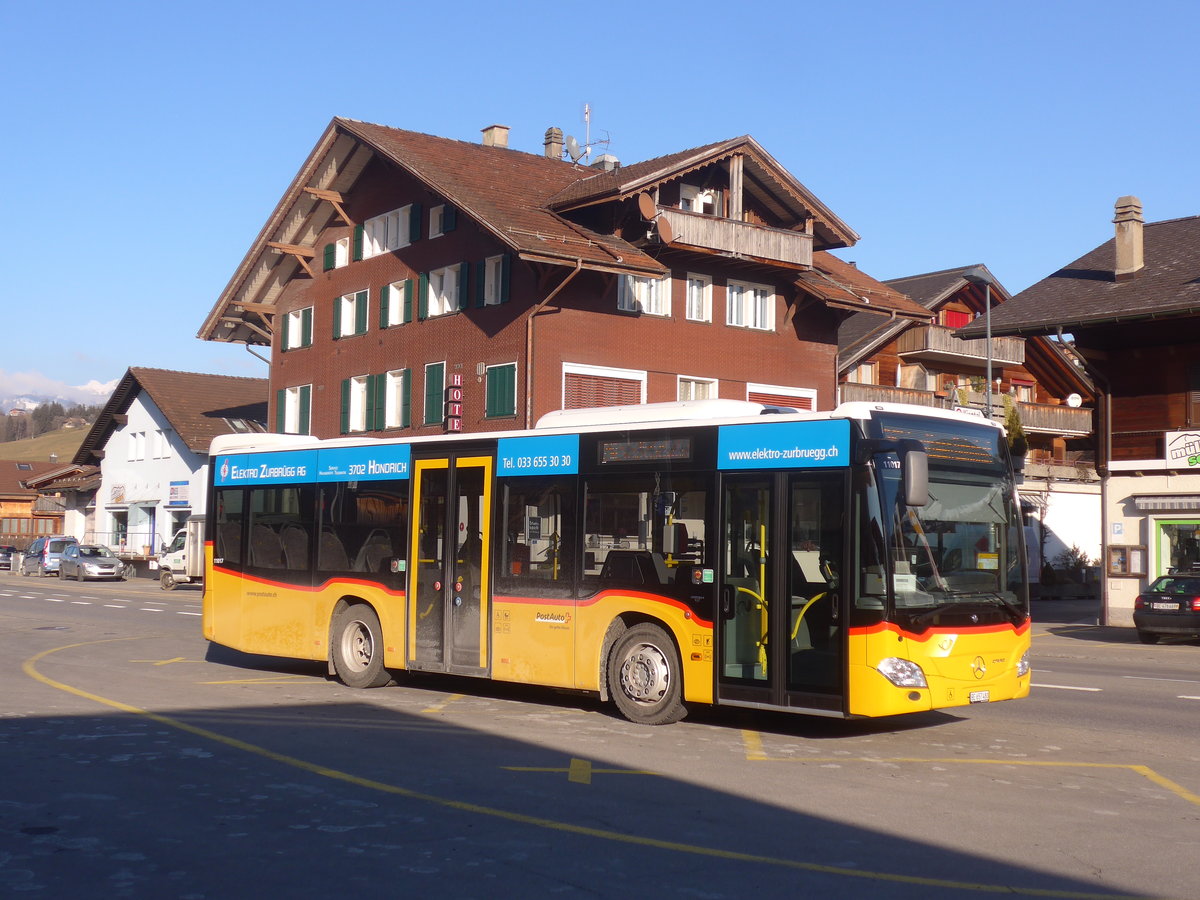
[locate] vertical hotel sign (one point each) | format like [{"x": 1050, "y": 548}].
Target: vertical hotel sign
[
  {"x": 1183, "y": 449},
  {"x": 452, "y": 418}
]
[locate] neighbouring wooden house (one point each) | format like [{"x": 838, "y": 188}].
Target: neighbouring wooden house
[
  {"x": 1131, "y": 310},
  {"x": 398, "y": 265},
  {"x": 1037, "y": 379},
  {"x": 24, "y": 514}
]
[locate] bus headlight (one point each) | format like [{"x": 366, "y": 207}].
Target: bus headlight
[
  {"x": 1023, "y": 665},
  {"x": 902, "y": 672}
]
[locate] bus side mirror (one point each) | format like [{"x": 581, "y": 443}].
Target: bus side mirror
[{"x": 916, "y": 477}]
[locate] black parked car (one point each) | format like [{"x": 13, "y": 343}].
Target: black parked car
[
  {"x": 7, "y": 555},
  {"x": 1171, "y": 605}
]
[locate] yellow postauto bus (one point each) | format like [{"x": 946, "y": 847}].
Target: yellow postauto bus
[{"x": 867, "y": 561}]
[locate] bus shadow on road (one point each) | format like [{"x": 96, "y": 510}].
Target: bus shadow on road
[{"x": 304, "y": 800}]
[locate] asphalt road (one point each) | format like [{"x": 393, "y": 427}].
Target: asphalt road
[{"x": 139, "y": 761}]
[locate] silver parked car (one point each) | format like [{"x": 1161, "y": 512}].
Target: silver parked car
[{"x": 82, "y": 561}]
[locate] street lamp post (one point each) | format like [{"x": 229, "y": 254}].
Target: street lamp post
[{"x": 980, "y": 275}]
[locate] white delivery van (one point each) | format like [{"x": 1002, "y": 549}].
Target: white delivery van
[{"x": 182, "y": 561}]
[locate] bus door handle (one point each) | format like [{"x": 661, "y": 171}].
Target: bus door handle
[{"x": 728, "y": 601}]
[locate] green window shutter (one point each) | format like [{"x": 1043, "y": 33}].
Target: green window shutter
[
  {"x": 330, "y": 256},
  {"x": 414, "y": 223},
  {"x": 378, "y": 386},
  {"x": 408, "y": 298},
  {"x": 305, "y": 409},
  {"x": 358, "y": 242},
  {"x": 464, "y": 280},
  {"x": 280, "y": 409},
  {"x": 337, "y": 318},
  {"x": 306, "y": 323},
  {"x": 501, "y": 391},
  {"x": 435, "y": 377},
  {"x": 449, "y": 218},
  {"x": 406, "y": 398},
  {"x": 384, "y": 294},
  {"x": 423, "y": 296},
  {"x": 360, "y": 312},
  {"x": 481, "y": 283},
  {"x": 345, "y": 406}
]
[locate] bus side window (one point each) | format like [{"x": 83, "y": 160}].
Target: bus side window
[
  {"x": 537, "y": 556},
  {"x": 364, "y": 528}
]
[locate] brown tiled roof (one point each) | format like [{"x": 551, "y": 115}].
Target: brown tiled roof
[
  {"x": 849, "y": 287},
  {"x": 198, "y": 406},
  {"x": 1085, "y": 292},
  {"x": 506, "y": 190},
  {"x": 593, "y": 183},
  {"x": 13, "y": 472},
  {"x": 70, "y": 477}
]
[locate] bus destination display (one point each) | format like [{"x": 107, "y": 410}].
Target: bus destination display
[{"x": 645, "y": 451}]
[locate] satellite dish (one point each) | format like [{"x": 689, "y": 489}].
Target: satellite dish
[
  {"x": 646, "y": 207},
  {"x": 573, "y": 149},
  {"x": 666, "y": 233},
  {"x": 1074, "y": 401}
]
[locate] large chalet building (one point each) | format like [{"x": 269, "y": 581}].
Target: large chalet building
[
  {"x": 399, "y": 265},
  {"x": 1131, "y": 309}
]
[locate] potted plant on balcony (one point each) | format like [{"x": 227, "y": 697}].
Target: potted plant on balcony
[{"x": 1018, "y": 444}]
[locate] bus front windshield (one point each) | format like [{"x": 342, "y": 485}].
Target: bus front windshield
[{"x": 962, "y": 552}]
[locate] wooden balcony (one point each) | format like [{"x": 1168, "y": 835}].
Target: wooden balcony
[
  {"x": 1036, "y": 418},
  {"x": 937, "y": 343},
  {"x": 741, "y": 239}
]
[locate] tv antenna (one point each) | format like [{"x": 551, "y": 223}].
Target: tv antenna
[{"x": 574, "y": 150}]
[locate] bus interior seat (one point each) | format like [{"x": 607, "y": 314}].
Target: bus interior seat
[
  {"x": 635, "y": 567},
  {"x": 229, "y": 541},
  {"x": 265, "y": 549},
  {"x": 294, "y": 539},
  {"x": 375, "y": 549},
  {"x": 332, "y": 551}
]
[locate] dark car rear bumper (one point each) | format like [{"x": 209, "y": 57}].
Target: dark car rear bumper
[{"x": 1168, "y": 623}]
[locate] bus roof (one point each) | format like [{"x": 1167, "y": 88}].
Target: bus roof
[{"x": 635, "y": 416}]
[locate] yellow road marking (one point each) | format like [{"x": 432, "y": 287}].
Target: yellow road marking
[
  {"x": 620, "y": 837},
  {"x": 164, "y": 662},
  {"x": 579, "y": 771},
  {"x": 438, "y": 707},
  {"x": 752, "y": 742}
]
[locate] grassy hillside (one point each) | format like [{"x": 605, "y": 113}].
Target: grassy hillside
[{"x": 64, "y": 442}]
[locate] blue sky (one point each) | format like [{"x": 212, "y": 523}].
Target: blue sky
[{"x": 145, "y": 143}]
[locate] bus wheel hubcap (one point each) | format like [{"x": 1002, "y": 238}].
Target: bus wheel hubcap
[
  {"x": 645, "y": 674},
  {"x": 359, "y": 645}
]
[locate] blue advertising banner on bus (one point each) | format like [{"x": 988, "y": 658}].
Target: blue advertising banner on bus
[
  {"x": 280, "y": 467},
  {"x": 550, "y": 454},
  {"x": 388, "y": 461},
  {"x": 784, "y": 445}
]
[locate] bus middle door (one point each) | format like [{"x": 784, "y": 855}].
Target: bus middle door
[
  {"x": 449, "y": 578},
  {"x": 780, "y": 636}
]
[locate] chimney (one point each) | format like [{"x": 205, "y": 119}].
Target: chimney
[
  {"x": 1129, "y": 238},
  {"x": 554, "y": 143},
  {"x": 607, "y": 162},
  {"x": 495, "y": 136}
]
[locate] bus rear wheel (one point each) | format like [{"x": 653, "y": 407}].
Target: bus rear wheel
[
  {"x": 357, "y": 646},
  {"x": 644, "y": 676}
]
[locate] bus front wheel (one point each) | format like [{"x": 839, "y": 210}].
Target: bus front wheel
[
  {"x": 644, "y": 676},
  {"x": 357, "y": 644}
]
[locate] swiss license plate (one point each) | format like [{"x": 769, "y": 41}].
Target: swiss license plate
[
  {"x": 980, "y": 696},
  {"x": 1164, "y": 606}
]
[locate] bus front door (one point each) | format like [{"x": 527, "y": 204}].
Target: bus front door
[
  {"x": 448, "y": 577},
  {"x": 780, "y": 635}
]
